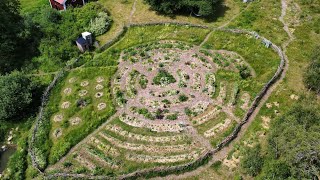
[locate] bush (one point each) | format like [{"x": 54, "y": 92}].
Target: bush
[
  {"x": 293, "y": 141},
  {"x": 252, "y": 161},
  {"x": 163, "y": 78},
  {"x": 244, "y": 71},
  {"x": 100, "y": 24},
  {"x": 183, "y": 98},
  {"x": 312, "y": 74},
  {"x": 15, "y": 95}
]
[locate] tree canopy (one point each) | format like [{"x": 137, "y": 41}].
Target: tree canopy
[
  {"x": 197, "y": 7},
  {"x": 294, "y": 143},
  {"x": 15, "y": 95},
  {"x": 312, "y": 74},
  {"x": 11, "y": 27}
]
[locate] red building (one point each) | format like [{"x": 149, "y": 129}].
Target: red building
[{"x": 63, "y": 4}]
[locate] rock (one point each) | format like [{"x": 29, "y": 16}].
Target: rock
[{"x": 10, "y": 138}]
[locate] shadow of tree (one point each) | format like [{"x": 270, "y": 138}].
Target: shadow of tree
[{"x": 221, "y": 9}]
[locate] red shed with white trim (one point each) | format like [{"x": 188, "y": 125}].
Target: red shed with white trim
[{"x": 63, "y": 4}]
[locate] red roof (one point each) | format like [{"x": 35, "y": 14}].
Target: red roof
[{"x": 60, "y": 1}]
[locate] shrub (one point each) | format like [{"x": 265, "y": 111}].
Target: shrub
[
  {"x": 244, "y": 71},
  {"x": 172, "y": 116},
  {"x": 312, "y": 73},
  {"x": 183, "y": 98},
  {"x": 100, "y": 24},
  {"x": 252, "y": 161},
  {"x": 15, "y": 95},
  {"x": 163, "y": 78}
]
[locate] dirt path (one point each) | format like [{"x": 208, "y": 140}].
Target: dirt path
[
  {"x": 132, "y": 11},
  {"x": 206, "y": 39},
  {"x": 234, "y": 17}
]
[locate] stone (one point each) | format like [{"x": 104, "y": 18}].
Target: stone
[
  {"x": 65, "y": 105},
  {"x": 83, "y": 92},
  {"x": 67, "y": 91},
  {"x": 72, "y": 80},
  {"x": 101, "y": 106},
  {"x": 99, "y": 79},
  {"x": 84, "y": 83},
  {"x": 58, "y": 118},
  {"x": 99, "y": 87},
  {"x": 99, "y": 94}
]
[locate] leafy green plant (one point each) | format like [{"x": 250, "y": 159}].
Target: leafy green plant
[
  {"x": 100, "y": 24},
  {"x": 163, "y": 78}
]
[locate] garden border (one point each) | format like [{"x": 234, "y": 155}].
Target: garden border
[
  {"x": 162, "y": 171},
  {"x": 44, "y": 101}
]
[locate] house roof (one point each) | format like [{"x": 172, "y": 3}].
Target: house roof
[
  {"x": 81, "y": 41},
  {"x": 60, "y": 1}
]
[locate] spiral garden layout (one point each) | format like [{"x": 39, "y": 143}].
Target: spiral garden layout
[{"x": 167, "y": 103}]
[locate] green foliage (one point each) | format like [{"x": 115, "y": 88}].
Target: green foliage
[
  {"x": 15, "y": 95},
  {"x": 100, "y": 24},
  {"x": 312, "y": 73},
  {"x": 172, "y": 116},
  {"x": 197, "y": 7},
  {"x": 16, "y": 45},
  {"x": 183, "y": 98},
  {"x": 11, "y": 26},
  {"x": 216, "y": 165},
  {"x": 60, "y": 30},
  {"x": 294, "y": 141},
  {"x": 244, "y": 71},
  {"x": 18, "y": 161},
  {"x": 163, "y": 78},
  {"x": 252, "y": 161},
  {"x": 276, "y": 170}
]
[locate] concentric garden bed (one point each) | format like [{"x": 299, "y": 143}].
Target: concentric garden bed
[{"x": 174, "y": 101}]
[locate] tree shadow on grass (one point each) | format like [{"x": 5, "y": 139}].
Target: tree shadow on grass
[{"x": 220, "y": 12}]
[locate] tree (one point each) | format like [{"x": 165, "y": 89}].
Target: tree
[
  {"x": 11, "y": 27},
  {"x": 252, "y": 161},
  {"x": 100, "y": 24},
  {"x": 197, "y": 7},
  {"x": 15, "y": 95},
  {"x": 312, "y": 74},
  {"x": 294, "y": 140}
]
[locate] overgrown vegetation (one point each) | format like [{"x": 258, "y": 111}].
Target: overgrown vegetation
[
  {"x": 294, "y": 143},
  {"x": 198, "y": 8},
  {"x": 18, "y": 38},
  {"x": 252, "y": 162},
  {"x": 16, "y": 94},
  {"x": 312, "y": 73},
  {"x": 163, "y": 78},
  {"x": 61, "y": 29},
  {"x": 100, "y": 24}
]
